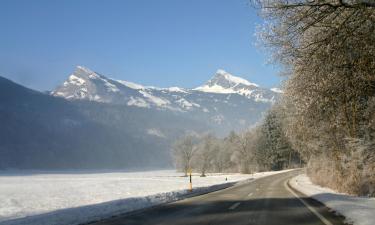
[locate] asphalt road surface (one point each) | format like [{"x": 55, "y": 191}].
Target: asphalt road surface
[{"x": 265, "y": 201}]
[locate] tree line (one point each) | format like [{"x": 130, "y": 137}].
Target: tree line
[{"x": 262, "y": 148}]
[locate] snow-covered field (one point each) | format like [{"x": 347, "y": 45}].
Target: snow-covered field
[
  {"x": 357, "y": 210},
  {"x": 74, "y": 198}
]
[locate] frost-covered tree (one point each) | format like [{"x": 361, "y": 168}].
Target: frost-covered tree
[
  {"x": 183, "y": 152},
  {"x": 327, "y": 48},
  {"x": 205, "y": 153},
  {"x": 273, "y": 150},
  {"x": 244, "y": 151},
  {"x": 222, "y": 154}
]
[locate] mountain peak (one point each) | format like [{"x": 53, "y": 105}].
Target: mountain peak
[
  {"x": 85, "y": 72},
  {"x": 224, "y": 82},
  {"x": 84, "y": 83},
  {"x": 225, "y": 77},
  {"x": 84, "y": 69},
  {"x": 221, "y": 72}
]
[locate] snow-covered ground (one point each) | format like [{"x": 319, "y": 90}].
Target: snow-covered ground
[
  {"x": 357, "y": 210},
  {"x": 78, "y": 197}
]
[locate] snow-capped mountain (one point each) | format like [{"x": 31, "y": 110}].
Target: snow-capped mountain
[
  {"x": 226, "y": 83},
  {"x": 85, "y": 84},
  {"x": 89, "y": 85},
  {"x": 225, "y": 101}
]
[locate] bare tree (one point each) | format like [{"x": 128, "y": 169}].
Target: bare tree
[
  {"x": 245, "y": 151},
  {"x": 223, "y": 150},
  {"x": 205, "y": 153},
  {"x": 183, "y": 152}
]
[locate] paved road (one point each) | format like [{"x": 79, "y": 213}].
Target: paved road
[{"x": 264, "y": 201}]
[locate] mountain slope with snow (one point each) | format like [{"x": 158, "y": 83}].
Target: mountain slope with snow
[
  {"x": 226, "y": 101},
  {"x": 88, "y": 85}
]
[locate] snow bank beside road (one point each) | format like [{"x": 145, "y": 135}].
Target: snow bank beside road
[
  {"x": 74, "y": 198},
  {"x": 357, "y": 210}
]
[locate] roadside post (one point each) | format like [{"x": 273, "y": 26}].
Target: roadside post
[{"x": 191, "y": 182}]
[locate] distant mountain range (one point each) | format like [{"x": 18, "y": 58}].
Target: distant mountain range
[
  {"x": 88, "y": 85},
  {"x": 226, "y": 102},
  {"x": 92, "y": 121}
]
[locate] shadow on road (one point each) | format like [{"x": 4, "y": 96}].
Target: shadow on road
[{"x": 278, "y": 211}]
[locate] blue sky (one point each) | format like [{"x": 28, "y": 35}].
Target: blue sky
[{"x": 161, "y": 43}]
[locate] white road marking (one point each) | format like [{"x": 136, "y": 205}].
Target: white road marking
[
  {"x": 252, "y": 221},
  {"x": 249, "y": 195},
  {"x": 324, "y": 220},
  {"x": 235, "y": 205}
]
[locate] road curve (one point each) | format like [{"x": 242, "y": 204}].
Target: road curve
[{"x": 265, "y": 201}]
